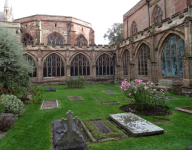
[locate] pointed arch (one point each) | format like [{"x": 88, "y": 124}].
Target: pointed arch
[
  {"x": 143, "y": 56},
  {"x": 32, "y": 61},
  {"x": 27, "y": 38},
  {"x": 80, "y": 65},
  {"x": 77, "y": 53},
  {"x": 55, "y": 38},
  {"x": 103, "y": 54},
  {"x": 56, "y": 53},
  {"x": 104, "y": 65},
  {"x": 81, "y": 41},
  {"x": 53, "y": 66},
  {"x": 134, "y": 28},
  {"x": 157, "y": 15},
  {"x": 171, "y": 56},
  {"x": 125, "y": 61},
  {"x": 139, "y": 46}
]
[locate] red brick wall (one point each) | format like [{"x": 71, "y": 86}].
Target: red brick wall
[{"x": 139, "y": 13}]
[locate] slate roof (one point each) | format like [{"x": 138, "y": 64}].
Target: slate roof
[{"x": 1, "y": 16}]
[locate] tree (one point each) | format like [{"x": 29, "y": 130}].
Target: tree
[
  {"x": 14, "y": 67},
  {"x": 115, "y": 35}
]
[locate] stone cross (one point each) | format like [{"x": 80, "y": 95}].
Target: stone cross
[{"x": 70, "y": 121}]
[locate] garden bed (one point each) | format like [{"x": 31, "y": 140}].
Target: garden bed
[{"x": 156, "y": 111}]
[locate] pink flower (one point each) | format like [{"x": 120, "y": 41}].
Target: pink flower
[
  {"x": 135, "y": 92},
  {"x": 145, "y": 87},
  {"x": 123, "y": 84},
  {"x": 129, "y": 94},
  {"x": 154, "y": 89},
  {"x": 151, "y": 83},
  {"x": 162, "y": 90},
  {"x": 167, "y": 92},
  {"x": 125, "y": 79}
]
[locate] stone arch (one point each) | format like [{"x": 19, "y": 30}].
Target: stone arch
[
  {"x": 123, "y": 50},
  {"x": 102, "y": 54},
  {"x": 81, "y": 40},
  {"x": 80, "y": 65},
  {"x": 157, "y": 9},
  {"x": 27, "y": 38},
  {"x": 53, "y": 65},
  {"x": 139, "y": 45},
  {"x": 55, "y": 38},
  {"x": 77, "y": 53},
  {"x": 57, "y": 53},
  {"x": 33, "y": 62},
  {"x": 33, "y": 56},
  {"x": 125, "y": 59}
]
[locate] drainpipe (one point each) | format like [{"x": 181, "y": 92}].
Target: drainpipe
[
  {"x": 148, "y": 11},
  {"x": 127, "y": 27},
  {"x": 165, "y": 9},
  {"x": 113, "y": 68},
  {"x": 68, "y": 32}
]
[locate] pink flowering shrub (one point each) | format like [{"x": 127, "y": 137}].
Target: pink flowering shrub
[{"x": 143, "y": 95}]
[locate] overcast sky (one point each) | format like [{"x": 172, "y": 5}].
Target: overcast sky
[{"x": 102, "y": 14}]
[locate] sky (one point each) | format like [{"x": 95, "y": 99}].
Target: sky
[{"x": 102, "y": 14}]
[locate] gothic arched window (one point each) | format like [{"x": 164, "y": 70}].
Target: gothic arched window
[
  {"x": 134, "y": 28},
  {"x": 171, "y": 57},
  {"x": 126, "y": 59},
  {"x": 80, "y": 66},
  {"x": 157, "y": 15},
  {"x": 53, "y": 66},
  {"x": 32, "y": 62},
  {"x": 81, "y": 41},
  {"x": 27, "y": 39},
  {"x": 104, "y": 65},
  {"x": 144, "y": 54},
  {"x": 55, "y": 39}
]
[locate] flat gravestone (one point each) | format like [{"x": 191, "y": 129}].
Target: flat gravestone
[
  {"x": 96, "y": 87},
  {"x": 101, "y": 127},
  {"x": 109, "y": 92},
  {"x": 89, "y": 85},
  {"x": 135, "y": 125},
  {"x": 53, "y": 104},
  {"x": 170, "y": 98},
  {"x": 50, "y": 89},
  {"x": 75, "y": 98},
  {"x": 118, "y": 85}
]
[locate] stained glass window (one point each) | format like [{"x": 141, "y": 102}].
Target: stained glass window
[
  {"x": 81, "y": 41},
  {"x": 134, "y": 28},
  {"x": 32, "y": 62},
  {"x": 171, "y": 57},
  {"x": 55, "y": 39},
  {"x": 80, "y": 66},
  {"x": 126, "y": 59},
  {"x": 144, "y": 54},
  {"x": 158, "y": 15},
  {"x": 53, "y": 66},
  {"x": 104, "y": 65},
  {"x": 27, "y": 39}
]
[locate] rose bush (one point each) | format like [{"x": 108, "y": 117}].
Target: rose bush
[{"x": 143, "y": 95}]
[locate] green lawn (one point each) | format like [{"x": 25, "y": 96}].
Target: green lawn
[{"x": 32, "y": 130}]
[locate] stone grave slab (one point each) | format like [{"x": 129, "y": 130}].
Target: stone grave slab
[
  {"x": 110, "y": 103},
  {"x": 101, "y": 127},
  {"x": 89, "y": 85},
  {"x": 53, "y": 104},
  {"x": 109, "y": 92},
  {"x": 135, "y": 125},
  {"x": 167, "y": 98},
  {"x": 50, "y": 89},
  {"x": 96, "y": 87},
  {"x": 75, "y": 98}
]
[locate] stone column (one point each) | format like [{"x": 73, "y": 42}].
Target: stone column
[
  {"x": 39, "y": 67},
  {"x": 93, "y": 73},
  {"x": 187, "y": 59},
  {"x": 68, "y": 71},
  {"x": 38, "y": 33},
  {"x": 131, "y": 71}
]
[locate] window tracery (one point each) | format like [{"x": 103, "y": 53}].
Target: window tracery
[
  {"x": 80, "y": 66},
  {"x": 81, "y": 41},
  {"x": 171, "y": 57},
  {"x": 134, "y": 28},
  {"x": 158, "y": 15},
  {"x": 55, "y": 39},
  {"x": 27, "y": 39},
  {"x": 53, "y": 66},
  {"x": 126, "y": 60},
  {"x": 32, "y": 62},
  {"x": 104, "y": 65},
  {"x": 144, "y": 54}
]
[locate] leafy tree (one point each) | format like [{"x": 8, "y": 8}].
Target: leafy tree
[
  {"x": 14, "y": 67},
  {"x": 115, "y": 35}
]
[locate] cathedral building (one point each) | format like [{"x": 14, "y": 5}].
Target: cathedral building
[{"x": 156, "y": 46}]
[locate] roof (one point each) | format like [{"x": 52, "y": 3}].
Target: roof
[{"x": 1, "y": 16}]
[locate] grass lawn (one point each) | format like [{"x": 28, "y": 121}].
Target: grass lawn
[{"x": 32, "y": 130}]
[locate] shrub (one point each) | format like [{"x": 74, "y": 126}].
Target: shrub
[
  {"x": 12, "y": 105},
  {"x": 6, "y": 121},
  {"x": 37, "y": 95},
  {"x": 75, "y": 83},
  {"x": 14, "y": 67},
  {"x": 143, "y": 95}
]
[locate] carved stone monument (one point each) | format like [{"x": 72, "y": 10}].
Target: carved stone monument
[{"x": 67, "y": 135}]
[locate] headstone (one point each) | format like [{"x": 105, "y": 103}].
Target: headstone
[
  {"x": 109, "y": 92},
  {"x": 135, "y": 125},
  {"x": 49, "y": 104},
  {"x": 101, "y": 127},
  {"x": 75, "y": 98},
  {"x": 50, "y": 89},
  {"x": 67, "y": 135}
]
